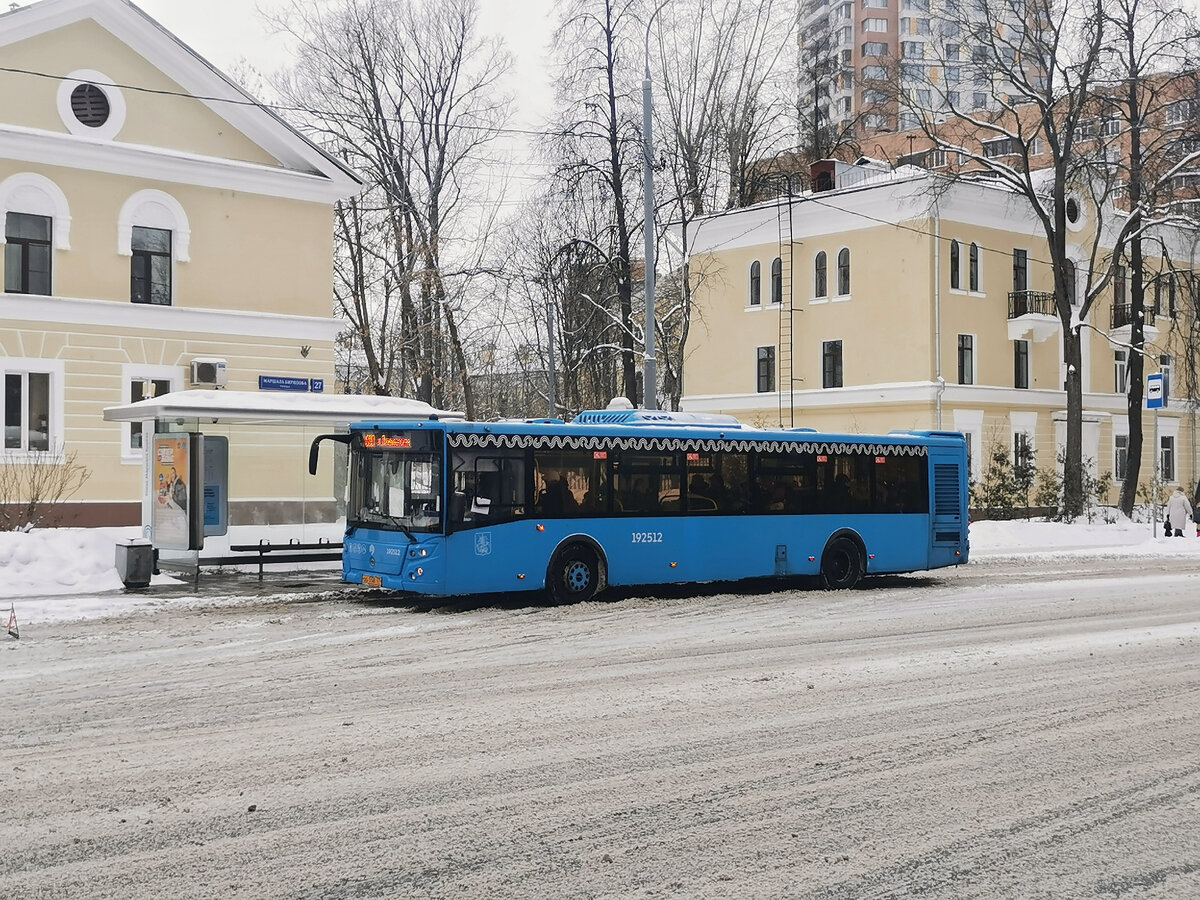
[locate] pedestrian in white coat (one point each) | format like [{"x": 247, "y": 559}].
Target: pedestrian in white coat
[{"x": 1179, "y": 512}]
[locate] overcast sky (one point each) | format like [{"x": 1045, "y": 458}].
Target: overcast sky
[{"x": 226, "y": 31}]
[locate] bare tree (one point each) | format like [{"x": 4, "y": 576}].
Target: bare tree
[
  {"x": 598, "y": 144},
  {"x": 1139, "y": 151},
  {"x": 408, "y": 94},
  {"x": 758, "y": 99},
  {"x": 1035, "y": 64}
]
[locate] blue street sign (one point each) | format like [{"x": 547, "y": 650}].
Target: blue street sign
[
  {"x": 282, "y": 383},
  {"x": 316, "y": 385},
  {"x": 1154, "y": 392}
]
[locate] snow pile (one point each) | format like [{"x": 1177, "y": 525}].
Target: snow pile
[
  {"x": 1020, "y": 537},
  {"x": 60, "y": 560}
]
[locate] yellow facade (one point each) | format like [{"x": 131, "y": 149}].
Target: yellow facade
[
  {"x": 905, "y": 321},
  {"x": 241, "y": 204}
]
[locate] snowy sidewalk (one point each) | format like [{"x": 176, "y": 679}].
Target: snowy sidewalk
[{"x": 58, "y": 574}]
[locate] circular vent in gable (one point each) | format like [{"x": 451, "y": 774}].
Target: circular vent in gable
[{"x": 90, "y": 105}]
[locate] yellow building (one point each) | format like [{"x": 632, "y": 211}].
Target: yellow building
[
  {"x": 895, "y": 300},
  {"x": 161, "y": 231}
]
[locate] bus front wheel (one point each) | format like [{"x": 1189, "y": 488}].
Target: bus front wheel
[
  {"x": 841, "y": 564},
  {"x": 574, "y": 575}
]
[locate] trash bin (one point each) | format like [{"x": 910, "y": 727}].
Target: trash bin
[{"x": 135, "y": 562}]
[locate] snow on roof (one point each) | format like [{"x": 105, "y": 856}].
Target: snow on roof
[{"x": 266, "y": 406}]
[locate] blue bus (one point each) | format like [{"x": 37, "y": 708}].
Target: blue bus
[{"x": 640, "y": 497}]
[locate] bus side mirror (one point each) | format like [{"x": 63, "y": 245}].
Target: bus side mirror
[{"x": 315, "y": 450}]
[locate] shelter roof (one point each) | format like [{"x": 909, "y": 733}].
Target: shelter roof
[{"x": 263, "y": 407}]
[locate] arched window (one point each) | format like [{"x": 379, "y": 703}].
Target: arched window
[
  {"x": 955, "y": 265},
  {"x": 755, "y": 283},
  {"x": 820, "y": 283},
  {"x": 974, "y": 273},
  {"x": 34, "y": 221},
  {"x": 153, "y": 229},
  {"x": 844, "y": 272},
  {"x": 777, "y": 280}
]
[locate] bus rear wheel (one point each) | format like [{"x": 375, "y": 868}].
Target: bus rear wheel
[
  {"x": 574, "y": 575},
  {"x": 841, "y": 564}
]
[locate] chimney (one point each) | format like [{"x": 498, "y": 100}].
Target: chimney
[{"x": 823, "y": 175}]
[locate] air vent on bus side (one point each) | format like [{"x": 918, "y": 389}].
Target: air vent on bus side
[{"x": 945, "y": 490}]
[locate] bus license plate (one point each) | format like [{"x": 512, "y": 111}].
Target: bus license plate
[{"x": 373, "y": 580}]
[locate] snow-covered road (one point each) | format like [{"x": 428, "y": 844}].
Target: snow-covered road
[{"x": 1021, "y": 727}]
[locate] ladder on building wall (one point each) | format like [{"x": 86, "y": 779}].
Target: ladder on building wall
[{"x": 787, "y": 309}]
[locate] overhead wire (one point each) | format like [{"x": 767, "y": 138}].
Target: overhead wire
[{"x": 710, "y": 168}]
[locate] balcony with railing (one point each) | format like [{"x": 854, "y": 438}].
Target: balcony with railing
[
  {"x": 1121, "y": 323},
  {"x": 1031, "y": 314}
]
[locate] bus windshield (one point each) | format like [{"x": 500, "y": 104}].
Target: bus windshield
[{"x": 396, "y": 489}]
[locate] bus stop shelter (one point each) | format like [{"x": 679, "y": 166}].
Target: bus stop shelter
[{"x": 253, "y": 476}]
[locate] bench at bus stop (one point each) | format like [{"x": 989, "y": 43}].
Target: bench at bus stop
[{"x": 262, "y": 554}]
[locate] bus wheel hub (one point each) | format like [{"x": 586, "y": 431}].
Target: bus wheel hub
[{"x": 577, "y": 576}]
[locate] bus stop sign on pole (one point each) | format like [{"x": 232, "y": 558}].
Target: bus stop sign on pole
[{"x": 1154, "y": 392}]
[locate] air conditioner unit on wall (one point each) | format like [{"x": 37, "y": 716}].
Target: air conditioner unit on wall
[{"x": 209, "y": 371}]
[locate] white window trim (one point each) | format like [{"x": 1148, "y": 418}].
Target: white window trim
[
  {"x": 129, "y": 372},
  {"x": 56, "y": 370},
  {"x": 28, "y": 192},
  {"x": 970, "y": 423},
  {"x": 154, "y": 209},
  {"x": 116, "y": 105}
]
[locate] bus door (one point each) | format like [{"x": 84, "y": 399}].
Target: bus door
[
  {"x": 487, "y": 547},
  {"x": 649, "y": 525}
]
